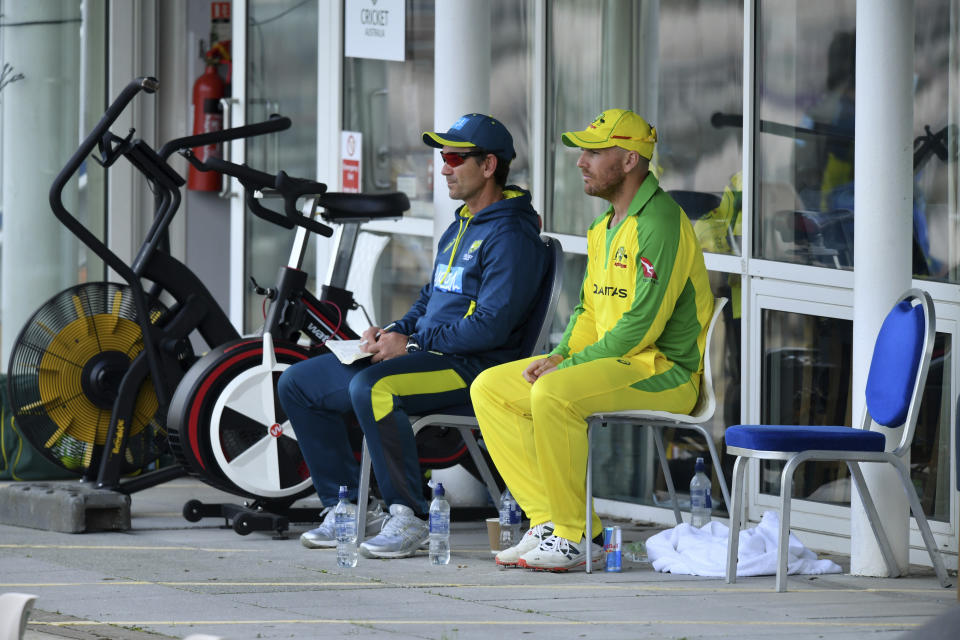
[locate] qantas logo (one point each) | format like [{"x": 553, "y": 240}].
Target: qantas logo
[
  {"x": 613, "y": 292},
  {"x": 648, "y": 270}
]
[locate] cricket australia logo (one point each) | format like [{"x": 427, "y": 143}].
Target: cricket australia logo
[
  {"x": 620, "y": 258},
  {"x": 472, "y": 250},
  {"x": 648, "y": 270}
]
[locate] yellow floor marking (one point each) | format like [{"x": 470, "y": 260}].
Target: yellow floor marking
[
  {"x": 453, "y": 585},
  {"x": 501, "y": 623},
  {"x": 119, "y": 547}
]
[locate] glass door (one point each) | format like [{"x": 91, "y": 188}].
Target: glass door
[
  {"x": 275, "y": 71},
  {"x": 800, "y": 307}
]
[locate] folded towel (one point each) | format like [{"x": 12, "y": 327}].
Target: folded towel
[{"x": 703, "y": 552}]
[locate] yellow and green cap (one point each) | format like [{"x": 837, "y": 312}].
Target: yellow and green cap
[{"x": 615, "y": 128}]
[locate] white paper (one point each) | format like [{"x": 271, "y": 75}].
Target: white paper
[{"x": 347, "y": 351}]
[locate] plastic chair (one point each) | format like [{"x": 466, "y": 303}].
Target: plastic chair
[
  {"x": 14, "y": 610},
  {"x": 659, "y": 420},
  {"x": 898, "y": 371},
  {"x": 461, "y": 417}
]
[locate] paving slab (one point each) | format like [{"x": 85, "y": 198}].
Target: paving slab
[{"x": 169, "y": 578}]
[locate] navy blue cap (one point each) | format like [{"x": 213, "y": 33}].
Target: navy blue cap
[{"x": 475, "y": 130}]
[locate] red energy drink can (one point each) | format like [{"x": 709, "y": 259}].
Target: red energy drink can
[{"x": 613, "y": 545}]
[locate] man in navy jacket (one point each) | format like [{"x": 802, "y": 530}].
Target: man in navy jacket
[{"x": 486, "y": 279}]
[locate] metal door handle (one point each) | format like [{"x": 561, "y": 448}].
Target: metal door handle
[{"x": 226, "y": 105}]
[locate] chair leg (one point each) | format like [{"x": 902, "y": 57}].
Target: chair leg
[
  {"x": 478, "y": 460},
  {"x": 922, "y": 523},
  {"x": 876, "y": 524},
  {"x": 665, "y": 467},
  {"x": 783, "y": 539},
  {"x": 363, "y": 493},
  {"x": 736, "y": 516},
  {"x": 589, "y": 509}
]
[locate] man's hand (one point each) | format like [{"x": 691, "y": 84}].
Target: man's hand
[
  {"x": 389, "y": 345},
  {"x": 368, "y": 339},
  {"x": 541, "y": 367}
]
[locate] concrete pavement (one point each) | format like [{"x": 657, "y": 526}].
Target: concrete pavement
[{"x": 171, "y": 578}]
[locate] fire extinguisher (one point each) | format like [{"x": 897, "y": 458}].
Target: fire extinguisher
[{"x": 207, "y": 117}]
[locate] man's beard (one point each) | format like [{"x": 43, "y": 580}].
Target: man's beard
[{"x": 608, "y": 190}]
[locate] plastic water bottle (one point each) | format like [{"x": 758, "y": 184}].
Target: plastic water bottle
[
  {"x": 345, "y": 526},
  {"x": 439, "y": 527},
  {"x": 509, "y": 520},
  {"x": 700, "y": 504}
]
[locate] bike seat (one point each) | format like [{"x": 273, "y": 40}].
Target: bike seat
[{"x": 360, "y": 207}]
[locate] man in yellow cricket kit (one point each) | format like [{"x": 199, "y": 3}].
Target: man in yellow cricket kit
[{"x": 635, "y": 340}]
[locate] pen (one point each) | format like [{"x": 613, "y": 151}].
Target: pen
[{"x": 379, "y": 333}]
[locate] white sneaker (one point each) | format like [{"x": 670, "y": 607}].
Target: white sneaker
[
  {"x": 528, "y": 542},
  {"x": 324, "y": 537},
  {"x": 401, "y": 536},
  {"x": 559, "y": 554}
]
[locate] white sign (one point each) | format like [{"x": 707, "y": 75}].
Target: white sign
[
  {"x": 351, "y": 153},
  {"x": 374, "y": 29}
]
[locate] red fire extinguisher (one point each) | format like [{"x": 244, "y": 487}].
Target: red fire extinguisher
[{"x": 207, "y": 117}]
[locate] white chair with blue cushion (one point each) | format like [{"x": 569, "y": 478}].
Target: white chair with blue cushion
[
  {"x": 461, "y": 417},
  {"x": 898, "y": 371}
]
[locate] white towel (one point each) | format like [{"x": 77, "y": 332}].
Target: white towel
[{"x": 685, "y": 549}]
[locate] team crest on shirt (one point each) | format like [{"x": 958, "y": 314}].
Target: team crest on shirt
[
  {"x": 648, "y": 270},
  {"x": 472, "y": 250},
  {"x": 620, "y": 258}
]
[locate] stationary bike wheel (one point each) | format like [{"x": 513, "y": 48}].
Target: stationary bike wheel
[
  {"x": 227, "y": 427},
  {"x": 64, "y": 374}
]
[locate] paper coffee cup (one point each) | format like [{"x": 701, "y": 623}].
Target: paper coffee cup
[{"x": 493, "y": 533}]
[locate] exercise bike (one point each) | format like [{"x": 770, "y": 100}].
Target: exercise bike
[
  {"x": 93, "y": 371},
  {"x": 225, "y": 424}
]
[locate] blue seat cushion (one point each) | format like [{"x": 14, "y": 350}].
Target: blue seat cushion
[{"x": 764, "y": 437}]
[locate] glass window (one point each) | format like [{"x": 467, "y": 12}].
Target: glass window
[
  {"x": 806, "y": 379},
  {"x": 805, "y": 147},
  {"x": 391, "y": 104},
  {"x": 629, "y": 54},
  {"x": 652, "y": 60},
  {"x": 276, "y": 33},
  {"x": 403, "y": 268},
  {"x": 52, "y": 93}
]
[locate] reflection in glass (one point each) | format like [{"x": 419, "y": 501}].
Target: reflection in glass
[
  {"x": 805, "y": 148},
  {"x": 278, "y": 32},
  {"x": 677, "y": 65},
  {"x": 806, "y": 379},
  {"x": 391, "y": 103},
  {"x": 404, "y": 267}
]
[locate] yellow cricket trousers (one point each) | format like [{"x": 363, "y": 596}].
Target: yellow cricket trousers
[{"x": 537, "y": 434}]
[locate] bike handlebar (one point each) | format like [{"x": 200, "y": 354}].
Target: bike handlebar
[
  {"x": 288, "y": 187},
  {"x": 273, "y": 124},
  {"x": 135, "y": 86}
]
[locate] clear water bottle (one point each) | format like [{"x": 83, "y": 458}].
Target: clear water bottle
[
  {"x": 700, "y": 504},
  {"x": 345, "y": 527},
  {"x": 509, "y": 520},
  {"x": 439, "y": 527}
]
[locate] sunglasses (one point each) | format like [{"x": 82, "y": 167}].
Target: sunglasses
[{"x": 457, "y": 158}]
